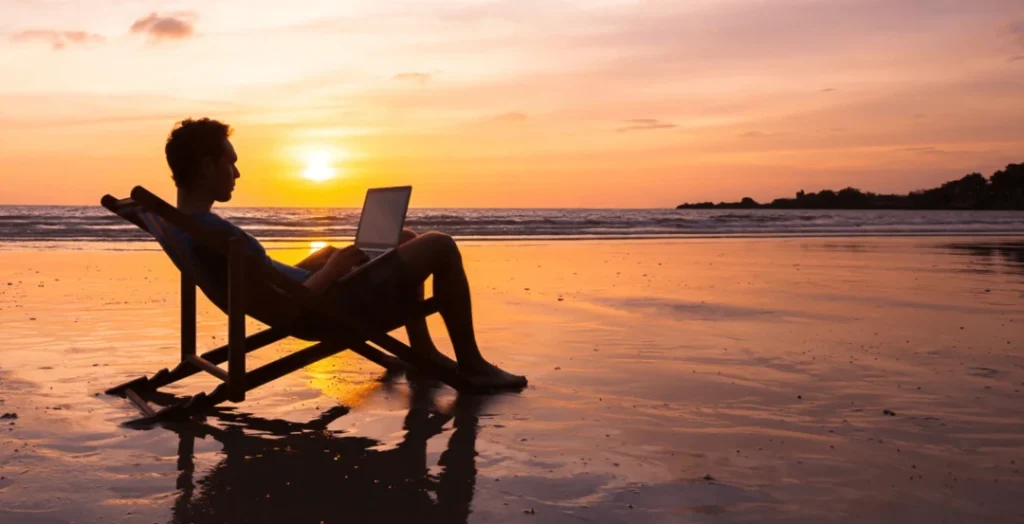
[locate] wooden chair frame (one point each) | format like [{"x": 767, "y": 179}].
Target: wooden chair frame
[{"x": 256, "y": 289}]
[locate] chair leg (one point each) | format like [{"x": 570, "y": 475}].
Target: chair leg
[
  {"x": 145, "y": 386},
  {"x": 236, "y": 319},
  {"x": 188, "y": 317}
]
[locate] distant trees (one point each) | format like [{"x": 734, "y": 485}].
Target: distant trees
[
  {"x": 1003, "y": 190},
  {"x": 970, "y": 192},
  {"x": 1006, "y": 189}
]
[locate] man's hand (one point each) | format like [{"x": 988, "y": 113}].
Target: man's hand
[
  {"x": 338, "y": 265},
  {"x": 347, "y": 257}
]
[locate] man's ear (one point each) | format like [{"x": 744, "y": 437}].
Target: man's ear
[
  {"x": 206, "y": 166},
  {"x": 205, "y": 170}
]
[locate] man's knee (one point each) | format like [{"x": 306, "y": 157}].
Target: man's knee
[
  {"x": 443, "y": 243},
  {"x": 407, "y": 235}
]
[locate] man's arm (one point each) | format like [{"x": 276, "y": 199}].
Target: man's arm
[{"x": 341, "y": 261}]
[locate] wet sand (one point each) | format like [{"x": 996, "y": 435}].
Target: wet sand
[{"x": 671, "y": 381}]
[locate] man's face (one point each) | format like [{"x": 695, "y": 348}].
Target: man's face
[{"x": 220, "y": 174}]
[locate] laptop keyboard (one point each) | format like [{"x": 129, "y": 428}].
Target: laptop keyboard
[{"x": 373, "y": 253}]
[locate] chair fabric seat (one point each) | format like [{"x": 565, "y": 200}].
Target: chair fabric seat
[{"x": 380, "y": 298}]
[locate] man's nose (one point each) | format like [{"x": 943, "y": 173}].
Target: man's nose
[{"x": 238, "y": 174}]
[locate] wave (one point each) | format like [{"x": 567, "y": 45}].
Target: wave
[{"x": 66, "y": 223}]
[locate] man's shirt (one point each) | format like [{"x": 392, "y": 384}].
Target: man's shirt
[{"x": 214, "y": 265}]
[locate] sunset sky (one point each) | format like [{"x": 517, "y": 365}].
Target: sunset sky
[{"x": 572, "y": 103}]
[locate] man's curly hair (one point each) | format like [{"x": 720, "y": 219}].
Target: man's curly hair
[{"x": 189, "y": 143}]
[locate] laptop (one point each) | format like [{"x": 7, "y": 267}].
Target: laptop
[{"x": 382, "y": 220}]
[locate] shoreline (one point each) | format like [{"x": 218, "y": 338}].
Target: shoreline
[{"x": 302, "y": 243}]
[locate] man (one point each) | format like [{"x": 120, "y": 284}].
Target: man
[{"x": 202, "y": 161}]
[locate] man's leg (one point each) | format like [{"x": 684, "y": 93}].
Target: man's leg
[
  {"x": 436, "y": 254},
  {"x": 419, "y": 334}
]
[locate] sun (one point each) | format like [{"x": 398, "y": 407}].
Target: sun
[{"x": 318, "y": 167}]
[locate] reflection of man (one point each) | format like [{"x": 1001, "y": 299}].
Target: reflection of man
[
  {"x": 202, "y": 161},
  {"x": 300, "y": 473}
]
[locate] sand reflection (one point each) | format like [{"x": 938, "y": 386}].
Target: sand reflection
[
  {"x": 279, "y": 471},
  {"x": 995, "y": 254}
]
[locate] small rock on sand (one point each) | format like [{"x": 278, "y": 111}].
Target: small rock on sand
[
  {"x": 708, "y": 477},
  {"x": 889, "y": 412},
  {"x": 10, "y": 416}
]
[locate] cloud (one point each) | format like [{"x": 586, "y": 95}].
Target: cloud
[
  {"x": 644, "y": 124},
  {"x": 756, "y": 134},
  {"x": 1017, "y": 58},
  {"x": 511, "y": 117},
  {"x": 57, "y": 39},
  {"x": 925, "y": 150},
  {"x": 828, "y": 90},
  {"x": 418, "y": 78},
  {"x": 174, "y": 26},
  {"x": 1016, "y": 29}
]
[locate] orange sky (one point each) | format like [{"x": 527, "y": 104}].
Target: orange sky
[{"x": 596, "y": 103}]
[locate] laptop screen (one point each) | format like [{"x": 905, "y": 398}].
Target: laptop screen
[{"x": 383, "y": 217}]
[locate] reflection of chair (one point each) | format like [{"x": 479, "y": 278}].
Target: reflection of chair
[
  {"x": 276, "y": 471},
  {"x": 255, "y": 289}
]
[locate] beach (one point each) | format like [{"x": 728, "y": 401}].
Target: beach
[{"x": 868, "y": 379}]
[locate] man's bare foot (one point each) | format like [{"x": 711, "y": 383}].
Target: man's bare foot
[{"x": 489, "y": 376}]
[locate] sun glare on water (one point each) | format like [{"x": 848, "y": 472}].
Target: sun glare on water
[
  {"x": 316, "y": 245},
  {"x": 318, "y": 167}
]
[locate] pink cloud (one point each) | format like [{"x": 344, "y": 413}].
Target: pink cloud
[
  {"x": 165, "y": 27},
  {"x": 1016, "y": 29},
  {"x": 57, "y": 39},
  {"x": 644, "y": 124}
]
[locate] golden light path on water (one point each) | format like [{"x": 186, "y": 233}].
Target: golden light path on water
[{"x": 316, "y": 246}]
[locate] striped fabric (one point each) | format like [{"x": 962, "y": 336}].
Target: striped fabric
[
  {"x": 171, "y": 240},
  {"x": 177, "y": 245}
]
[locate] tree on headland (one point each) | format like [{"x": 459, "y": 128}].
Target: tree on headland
[
  {"x": 970, "y": 192},
  {"x": 1007, "y": 187},
  {"x": 1003, "y": 190}
]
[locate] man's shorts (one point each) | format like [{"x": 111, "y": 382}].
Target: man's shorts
[{"x": 380, "y": 296}]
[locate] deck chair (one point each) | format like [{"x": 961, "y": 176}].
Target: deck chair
[{"x": 257, "y": 290}]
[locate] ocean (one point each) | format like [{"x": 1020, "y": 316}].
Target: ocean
[{"x": 62, "y": 224}]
